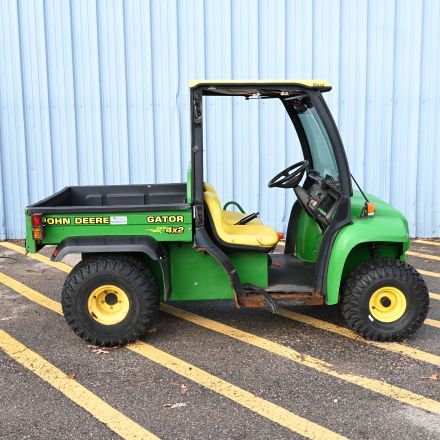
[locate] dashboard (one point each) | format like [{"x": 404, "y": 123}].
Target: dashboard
[{"x": 321, "y": 199}]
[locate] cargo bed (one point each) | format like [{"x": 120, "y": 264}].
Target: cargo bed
[{"x": 114, "y": 198}]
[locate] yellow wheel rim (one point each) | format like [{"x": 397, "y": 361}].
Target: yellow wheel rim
[
  {"x": 387, "y": 304},
  {"x": 108, "y": 304}
]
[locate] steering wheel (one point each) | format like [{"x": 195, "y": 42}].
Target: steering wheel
[{"x": 290, "y": 177}]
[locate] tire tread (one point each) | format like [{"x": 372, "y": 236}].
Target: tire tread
[
  {"x": 131, "y": 268},
  {"x": 374, "y": 270}
]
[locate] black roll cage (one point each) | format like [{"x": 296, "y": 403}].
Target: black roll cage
[{"x": 342, "y": 217}]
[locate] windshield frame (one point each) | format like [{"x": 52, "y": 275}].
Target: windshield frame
[{"x": 332, "y": 133}]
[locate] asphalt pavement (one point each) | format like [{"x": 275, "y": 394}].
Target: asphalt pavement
[{"x": 210, "y": 371}]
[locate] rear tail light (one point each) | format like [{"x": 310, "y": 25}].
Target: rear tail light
[{"x": 37, "y": 227}]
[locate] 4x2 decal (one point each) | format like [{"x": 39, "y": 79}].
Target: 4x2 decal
[{"x": 167, "y": 230}]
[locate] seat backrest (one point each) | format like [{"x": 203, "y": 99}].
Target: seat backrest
[
  {"x": 215, "y": 209},
  {"x": 211, "y": 189}
]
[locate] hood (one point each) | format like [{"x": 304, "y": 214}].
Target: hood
[{"x": 390, "y": 220}]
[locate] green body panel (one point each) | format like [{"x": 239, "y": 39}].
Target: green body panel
[
  {"x": 308, "y": 238},
  {"x": 166, "y": 226},
  {"x": 387, "y": 227},
  {"x": 195, "y": 275}
]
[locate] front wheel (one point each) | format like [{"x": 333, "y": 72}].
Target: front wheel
[
  {"x": 110, "y": 300},
  {"x": 385, "y": 300}
]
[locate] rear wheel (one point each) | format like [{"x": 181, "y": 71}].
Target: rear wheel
[
  {"x": 385, "y": 300},
  {"x": 110, "y": 301}
]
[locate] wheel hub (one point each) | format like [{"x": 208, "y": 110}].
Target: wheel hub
[
  {"x": 387, "y": 304},
  {"x": 111, "y": 299},
  {"x": 108, "y": 304}
]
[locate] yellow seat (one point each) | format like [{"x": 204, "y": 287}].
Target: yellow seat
[
  {"x": 230, "y": 217},
  {"x": 253, "y": 233}
]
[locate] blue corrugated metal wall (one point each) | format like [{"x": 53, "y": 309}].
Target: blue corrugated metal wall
[{"x": 96, "y": 92}]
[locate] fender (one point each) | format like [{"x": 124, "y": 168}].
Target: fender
[
  {"x": 118, "y": 244},
  {"x": 387, "y": 226}
]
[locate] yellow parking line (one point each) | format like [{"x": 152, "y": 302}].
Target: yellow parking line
[
  {"x": 374, "y": 385},
  {"x": 432, "y": 243},
  {"x": 342, "y": 331},
  {"x": 432, "y": 322},
  {"x": 31, "y": 294},
  {"x": 38, "y": 257},
  {"x": 434, "y": 296},
  {"x": 427, "y": 256},
  {"x": 428, "y": 273},
  {"x": 250, "y": 401},
  {"x": 114, "y": 419}
]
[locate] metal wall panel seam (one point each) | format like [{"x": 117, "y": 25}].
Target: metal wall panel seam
[
  {"x": 16, "y": 189},
  {"x": 259, "y": 42},
  {"x": 179, "y": 92},
  {"x": 3, "y": 228},
  {"x": 367, "y": 93},
  {"x": 49, "y": 98},
  {"x": 393, "y": 102},
  {"x": 2, "y": 192},
  {"x": 26, "y": 132},
  {"x": 129, "y": 138},
  {"x": 100, "y": 91},
  {"x": 233, "y": 125},
  {"x": 153, "y": 97},
  {"x": 419, "y": 121},
  {"x": 75, "y": 103}
]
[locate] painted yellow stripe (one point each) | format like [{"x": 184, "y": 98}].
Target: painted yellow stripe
[
  {"x": 427, "y": 256},
  {"x": 342, "y": 331},
  {"x": 250, "y": 401},
  {"x": 434, "y": 296},
  {"x": 432, "y": 322},
  {"x": 432, "y": 243},
  {"x": 31, "y": 294},
  {"x": 114, "y": 419},
  {"x": 38, "y": 257},
  {"x": 374, "y": 385},
  {"x": 428, "y": 273}
]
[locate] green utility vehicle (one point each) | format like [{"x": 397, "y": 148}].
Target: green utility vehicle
[{"x": 142, "y": 244}]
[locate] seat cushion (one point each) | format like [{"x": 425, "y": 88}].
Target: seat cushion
[
  {"x": 253, "y": 233},
  {"x": 232, "y": 217}
]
